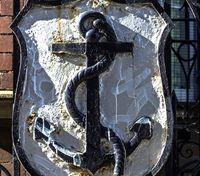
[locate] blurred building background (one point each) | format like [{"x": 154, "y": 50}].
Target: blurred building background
[{"x": 182, "y": 56}]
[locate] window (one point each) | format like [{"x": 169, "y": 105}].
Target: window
[{"x": 184, "y": 52}]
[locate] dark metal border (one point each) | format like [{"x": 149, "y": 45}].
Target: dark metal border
[
  {"x": 19, "y": 89},
  {"x": 20, "y": 82},
  {"x": 167, "y": 94}
]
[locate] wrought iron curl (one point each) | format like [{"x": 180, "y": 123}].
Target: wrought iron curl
[
  {"x": 185, "y": 150},
  {"x": 193, "y": 7},
  {"x": 4, "y": 170}
]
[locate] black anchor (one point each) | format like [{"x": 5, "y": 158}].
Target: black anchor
[{"x": 100, "y": 49}]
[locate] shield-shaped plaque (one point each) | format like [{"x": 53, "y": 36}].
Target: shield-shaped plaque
[{"x": 92, "y": 95}]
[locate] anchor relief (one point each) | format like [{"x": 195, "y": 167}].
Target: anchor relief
[
  {"x": 90, "y": 95},
  {"x": 100, "y": 50}
]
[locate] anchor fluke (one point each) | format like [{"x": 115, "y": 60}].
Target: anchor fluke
[{"x": 143, "y": 128}]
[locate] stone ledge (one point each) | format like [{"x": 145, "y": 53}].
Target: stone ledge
[{"x": 6, "y": 94}]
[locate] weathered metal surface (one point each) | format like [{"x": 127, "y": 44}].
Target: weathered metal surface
[
  {"x": 100, "y": 48},
  {"x": 131, "y": 88}
]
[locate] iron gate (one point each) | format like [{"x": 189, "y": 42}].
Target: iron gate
[{"x": 183, "y": 71}]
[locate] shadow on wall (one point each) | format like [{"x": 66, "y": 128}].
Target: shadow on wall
[{"x": 6, "y": 140}]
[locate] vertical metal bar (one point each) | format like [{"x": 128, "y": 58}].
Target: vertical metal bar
[
  {"x": 187, "y": 76},
  {"x": 198, "y": 66},
  {"x": 16, "y": 165},
  {"x": 169, "y": 167},
  {"x": 93, "y": 115},
  {"x": 16, "y": 49},
  {"x": 16, "y": 63},
  {"x": 175, "y": 159},
  {"x": 167, "y": 7},
  {"x": 93, "y": 120}
]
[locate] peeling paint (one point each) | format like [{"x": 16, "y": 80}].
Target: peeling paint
[{"x": 30, "y": 120}]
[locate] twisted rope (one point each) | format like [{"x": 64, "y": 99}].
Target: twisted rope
[{"x": 119, "y": 153}]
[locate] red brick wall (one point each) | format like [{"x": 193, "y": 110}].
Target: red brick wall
[
  {"x": 7, "y": 11},
  {"x": 6, "y": 44}
]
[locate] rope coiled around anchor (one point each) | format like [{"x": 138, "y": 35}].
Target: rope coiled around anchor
[
  {"x": 104, "y": 30},
  {"x": 119, "y": 153},
  {"x": 99, "y": 30}
]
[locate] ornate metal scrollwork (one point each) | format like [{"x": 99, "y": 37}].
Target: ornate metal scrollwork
[{"x": 185, "y": 48}]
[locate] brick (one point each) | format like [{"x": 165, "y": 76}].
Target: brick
[
  {"x": 5, "y": 24},
  {"x": 6, "y": 7},
  {"x": 5, "y": 62},
  {"x": 5, "y": 156},
  {"x": 23, "y": 172},
  {"x": 6, "y": 43},
  {"x": 6, "y": 81}
]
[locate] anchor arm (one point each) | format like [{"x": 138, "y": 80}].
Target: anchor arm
[
  {"x": 42, "y": 132},
  {"x": 142, "y": 129}
]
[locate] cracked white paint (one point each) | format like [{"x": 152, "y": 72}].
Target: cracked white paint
[{"x": 132, "y": 87}]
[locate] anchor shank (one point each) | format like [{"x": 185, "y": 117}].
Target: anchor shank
[
  {"x": 93, "y": 126},
  {"x": 99, "y": 56}
]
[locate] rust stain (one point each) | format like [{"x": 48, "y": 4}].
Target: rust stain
[
  {"x": 74, "y": 12},
  {"x": 100, "y": 3},
  {"x": 30, "y": 120},
  {"x": 59, "y": 37}
]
